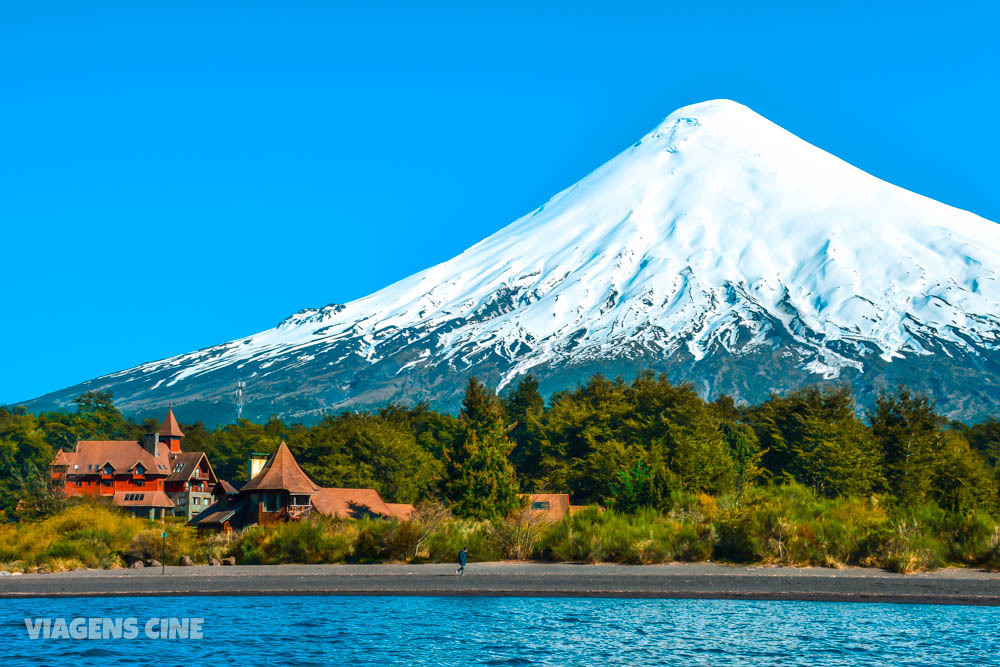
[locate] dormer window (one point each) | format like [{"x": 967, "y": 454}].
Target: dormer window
[
  {"x": 108, "y": 469},
  {"x": 90, "y": 466},
  {"x": 139, "y": 470}
]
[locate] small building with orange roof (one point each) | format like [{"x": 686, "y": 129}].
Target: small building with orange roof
[{"x": 549, "y": 506}]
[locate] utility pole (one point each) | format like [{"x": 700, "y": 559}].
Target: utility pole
[{"x": 163, "y": 553}]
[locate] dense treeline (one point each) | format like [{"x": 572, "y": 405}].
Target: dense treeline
[{"x": 629, "y": 446}]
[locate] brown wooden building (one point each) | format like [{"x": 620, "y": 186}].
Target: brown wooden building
[{"x": 279, "y": 490}]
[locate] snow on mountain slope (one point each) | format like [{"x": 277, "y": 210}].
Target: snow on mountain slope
[{"x": 717, "y": 231}]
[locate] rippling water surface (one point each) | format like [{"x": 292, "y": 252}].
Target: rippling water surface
[{"x": 512, "y": 631}]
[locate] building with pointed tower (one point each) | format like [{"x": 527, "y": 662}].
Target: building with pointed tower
[
  {"x": 279, "y": 490},
  {"x": 152, "y": 477},
  {"x": 170, "y": 431}
]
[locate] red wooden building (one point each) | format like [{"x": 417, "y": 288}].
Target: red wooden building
[{"x": 150, "y": 478}]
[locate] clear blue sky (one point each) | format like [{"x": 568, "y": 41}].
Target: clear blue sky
[{"x": 174, "y": 177}]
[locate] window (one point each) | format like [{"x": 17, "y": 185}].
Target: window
[
  {"x": 271, "y": 502},
  {"x": 540, "y": 505},
  {"x": 139, "y": 482},
  {"x": 79, "y": 483},
  {"x": 107, "y": 482},
  {"x": 76, "y": 466},
  {"x": 139, "y": 470},
  {"x": 108, "y": 469}
]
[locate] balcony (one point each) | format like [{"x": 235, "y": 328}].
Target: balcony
[{"x": 297, "y": 511}]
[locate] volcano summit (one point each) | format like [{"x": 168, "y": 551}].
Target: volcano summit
[{"x": 719, "y": 249}]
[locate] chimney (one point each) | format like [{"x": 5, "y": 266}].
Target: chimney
[
  {"x": 151, "y": 443},
  {"x": 256, "y": 464}
]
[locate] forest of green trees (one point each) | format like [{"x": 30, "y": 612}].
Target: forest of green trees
[
  {"x": 802, "y": 479},
  {"x": 623, "y": 445}
]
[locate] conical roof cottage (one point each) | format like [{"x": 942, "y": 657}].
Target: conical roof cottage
[
  {"x": 282, "y": 473},
  {"x": 282, "y": 491}
]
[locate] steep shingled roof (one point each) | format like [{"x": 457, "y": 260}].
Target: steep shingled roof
[
  {"x": 219, "y": 512},
  {"x": 170, "y": 427},
  {"x": 184, "y": 464},
  {"x": 281, "y": 473},
  {"x": 121, "y": 454},
  {"x": 228, "y": 488}
]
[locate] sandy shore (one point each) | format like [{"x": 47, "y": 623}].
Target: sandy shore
[{"x": 701, "y": 580}]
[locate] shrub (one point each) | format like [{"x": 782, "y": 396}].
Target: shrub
[
  {"x": 787, "y": 524},
  {"x": 316, "y": 540},
  {"x": 148, "y": 544},
  {"x": 84, "y": 535},
  {"x": 517, "y": 535},
  {"x": 906, "y": 548},
  {"x": 792, "y": 524},
  {"x": 644, "y": 537}
]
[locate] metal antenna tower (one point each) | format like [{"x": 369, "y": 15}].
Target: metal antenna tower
[{"x": 240, "y": 386}]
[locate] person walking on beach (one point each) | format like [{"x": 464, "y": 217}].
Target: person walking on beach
[{"x": 462, "y": 557}]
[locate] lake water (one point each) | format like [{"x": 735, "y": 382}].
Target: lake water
[{"x": 301, "y": 631}]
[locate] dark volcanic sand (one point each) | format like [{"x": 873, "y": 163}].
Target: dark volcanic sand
[{"x": 702, "y": 580}]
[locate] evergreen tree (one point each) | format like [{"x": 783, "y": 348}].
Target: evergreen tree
[
  {"x": 633, "y": 488},
  {"x": 97, "y": 417},
  {"x": 907, "y": 429},
  {"x": 479, "y": 479},
  {"x": 525, "y": 409}
]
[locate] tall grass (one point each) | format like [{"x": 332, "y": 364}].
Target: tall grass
[
  {"x": 644, "y": 537},
  {"x": 783, "y": 524},
  {"x": 317, "y": 540},
  {"x": 91, "y": 536}
]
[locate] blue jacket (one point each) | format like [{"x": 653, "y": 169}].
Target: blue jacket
[{"x": 461, "y": 557}]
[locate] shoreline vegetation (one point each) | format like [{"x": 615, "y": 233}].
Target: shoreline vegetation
[
  {"x": 784, "y": 525},
  {"x": 801, "y": 479}
]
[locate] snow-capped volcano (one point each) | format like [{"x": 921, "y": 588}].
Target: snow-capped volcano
[{"x": 719, "y": 248}]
